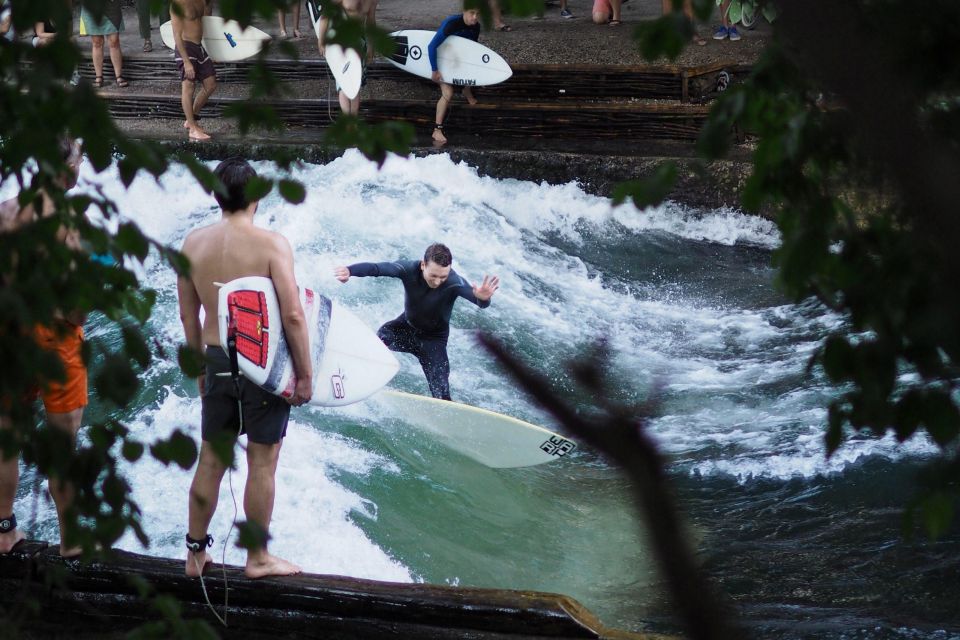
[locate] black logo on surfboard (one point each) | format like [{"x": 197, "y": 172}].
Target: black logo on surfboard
[
  {"x": 557, "y": 446},
  {"x": 486, "y": 58}
]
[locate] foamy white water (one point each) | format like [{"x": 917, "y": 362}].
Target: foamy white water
[{"x": 730, "y": 365}]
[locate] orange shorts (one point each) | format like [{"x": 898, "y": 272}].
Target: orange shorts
[{"x": 66, "y": 340}]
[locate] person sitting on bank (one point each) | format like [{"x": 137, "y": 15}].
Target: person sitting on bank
[
  {"x": 193, "y": 62},
  {"x": 431, "y": 287},
  {"x": 465, "y": 25}
]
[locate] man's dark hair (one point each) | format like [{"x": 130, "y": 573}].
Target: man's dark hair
[
  {"x": 438, "y": 254},
  {"x": 234, "y": 173}
]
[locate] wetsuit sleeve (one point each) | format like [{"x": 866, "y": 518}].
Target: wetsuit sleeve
[
  {"x": 376, "y": 269},
  {"x": 450, "y": 26},
  {"x": 465, "y": 291}
]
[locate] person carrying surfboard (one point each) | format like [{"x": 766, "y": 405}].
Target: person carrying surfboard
[
  {"x": 431, "y": 287},
  {"x": 64, "y": 400},
  {"x": 193, "y": 62},
  {"x": 465, "y": 25},
  {"x": 232, "y": 248},
  {"x": 366, "y": 12}
]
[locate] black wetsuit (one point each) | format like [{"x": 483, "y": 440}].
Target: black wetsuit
[{"x": 424, "y": 326}]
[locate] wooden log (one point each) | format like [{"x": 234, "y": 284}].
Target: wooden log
[{"x": 99, "y": 595}]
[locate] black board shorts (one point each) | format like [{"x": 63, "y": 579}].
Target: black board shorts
[{"x": 265, "y": 415}]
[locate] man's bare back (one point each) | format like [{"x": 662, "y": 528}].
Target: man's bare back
[{"x": 229, "y": 249}]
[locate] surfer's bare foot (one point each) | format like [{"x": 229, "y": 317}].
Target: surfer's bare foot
[
  {"x": 196, "y": 133},
  {"x": 197, "y": 563},
  {"x": 438, "y": 136},
  {"x": 10, "y": 539},
  {"x": 471, "y": 99},
  {"x": 283, "y": 34},
  {"x": 70, "y": 552},
  {"x": 297, "y": 34},
  {"x": 267, "y": 565}
]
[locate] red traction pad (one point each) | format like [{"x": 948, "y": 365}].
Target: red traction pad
[{"x": 248, "y": 312}]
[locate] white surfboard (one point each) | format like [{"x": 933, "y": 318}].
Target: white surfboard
[
  {"x": 349, "y": 361},
  {"x": 461, "y": 61},
  {"x": 225, "y": 41},
  {"x": 490, "y": 438},
  {"x": 345, "y": 64}
]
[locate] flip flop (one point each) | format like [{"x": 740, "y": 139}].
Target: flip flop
[
  {"x": 614, "y": 23},
  {"x": 504, "y": 27}
]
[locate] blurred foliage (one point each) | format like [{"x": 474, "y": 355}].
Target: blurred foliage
[{"x": 854, "y": 126}]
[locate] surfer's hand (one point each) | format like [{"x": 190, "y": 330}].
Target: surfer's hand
[
  {"x": 341, "y": 273},
  {"x": 188, "y": 71},
  {"x": 437, "y": 76},
  {"x": 487, "y": 288},
  {"x": 302, "y": 392}
]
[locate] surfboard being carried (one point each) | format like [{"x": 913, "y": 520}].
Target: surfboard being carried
[
  {"x": 461, "y": 61},
  {"x": 345, "y": 64},
  {"x": 490, "y": 438},
  {"x": 349, "y": 361},
  {"x": 224, "y": 40}
]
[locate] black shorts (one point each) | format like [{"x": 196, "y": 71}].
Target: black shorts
[{"x": 265, "y": 415}]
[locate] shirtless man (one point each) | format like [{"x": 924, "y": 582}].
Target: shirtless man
[
  {"x": 366, "y": 12},
  {"x": 229, "y": 249},
  {"x": 193, "y": 61},
  {"x": 63, "y": 401}
]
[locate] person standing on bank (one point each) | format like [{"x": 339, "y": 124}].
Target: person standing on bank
[
  {"x": 465, "y": 25},
  {"x": 143, "y": 21},
  {"x": 431, "y": 287},
  {"x": 366, "y": 12},
  {"x": 193, "y": 61},
  {"x": 63, "y": 400},
  {"x": 109, "y": 27},
  {"x": 232, "y": 248}
]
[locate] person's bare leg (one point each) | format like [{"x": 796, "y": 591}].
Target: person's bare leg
[
  {"x": 116, "y": 56},
  {"x": 282, "y": 19},
  {"x": 258, "y": 497},
  {"x": 9, "y": 479},
  {"x": 204, "y": 494},
  {"x": 468, "y": 94},
  {"x": 97, "y": 55},
  {"x": 296, "y": 21},
  {"x": 345, "y": 106},
  {"x": 207, "y": 88},
  {"x": 497, "y": 15},
  {"x": 63, "y": 492},
  {"x": 446, "y": 94},
  {"x": 615, "y": 6}
]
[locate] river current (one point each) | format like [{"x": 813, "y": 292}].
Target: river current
[{"x": 805, "y": 547}]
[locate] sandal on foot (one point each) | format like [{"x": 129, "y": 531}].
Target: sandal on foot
[
  {"x": 504, "y": 27},
  {"x": 122, "y": 82},
  {"x": 98, "y": 82},
  {"x": 147, "y": 46},
  {"x": 614, "y": 23}
]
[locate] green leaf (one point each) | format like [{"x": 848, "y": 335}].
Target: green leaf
[
  {"x": 130, "y": 240},
  {"x": 179, "y": 448},
  {"x": 251, "y": 535},
  {"x": 937, "y": 513},
  {"x": 258, "y": 188},
  {"x": 191, "y": 361},
  {"x": 136, "y": 346},
  {"x": 292, "y": 191},
  {"x": 648, "y": 191},
  {"x": 132, "y": 450},
  {"x": 117, "y": 380}
]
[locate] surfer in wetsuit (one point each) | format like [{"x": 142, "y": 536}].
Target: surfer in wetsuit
[
  {"x": 431, "y": 287},
  {"x": 465, "y": 25}
]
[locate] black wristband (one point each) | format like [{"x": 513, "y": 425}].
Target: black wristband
[{"x": 8, "y": 524}]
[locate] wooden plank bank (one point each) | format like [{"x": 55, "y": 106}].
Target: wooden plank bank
[{"x": 101, "y": 601}]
